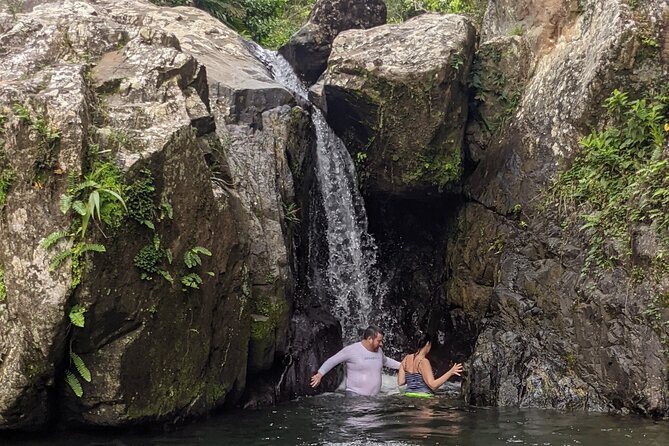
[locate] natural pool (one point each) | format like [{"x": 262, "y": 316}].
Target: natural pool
[{"x": 392, "y": 420}]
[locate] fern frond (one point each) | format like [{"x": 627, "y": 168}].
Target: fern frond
[
  {"x": 74, "y": 383},
  {"x": 79, "y": 207},
  {"x": 77, "y": 316},
  {"x": 202, "y": 250},
  {"x": 52, "y": 238},
  {"x": 81, "y": 367},
  {"x": 59, "y": 258},
  {"x": 166, "y": 275},
  {"x": 65, "y": 203},
  {"x": 85, "y": 247}
]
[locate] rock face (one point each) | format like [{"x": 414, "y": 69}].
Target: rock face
[
  {"x": 396, "y": 95},
  {"x": 553, "y": 334},
  {"x": 202, "y": 137},
  {"x": 308, "y": 50}
]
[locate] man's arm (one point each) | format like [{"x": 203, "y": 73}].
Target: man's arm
[
  {"x": 329, "y": 364},
  {"x": 390, "y": 363}
]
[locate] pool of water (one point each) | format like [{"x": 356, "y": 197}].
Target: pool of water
[{"x": 392, "y": 420}]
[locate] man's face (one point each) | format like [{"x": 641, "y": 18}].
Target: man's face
[{"x": 376, "y": 342}]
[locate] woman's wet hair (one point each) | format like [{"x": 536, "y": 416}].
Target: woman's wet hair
[{"x": 422, "y": 342}]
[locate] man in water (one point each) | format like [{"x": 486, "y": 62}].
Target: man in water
[{"x": 364, "y": 361}]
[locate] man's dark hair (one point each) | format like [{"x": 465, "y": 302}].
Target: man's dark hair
[{"x": 372, "y": 331}]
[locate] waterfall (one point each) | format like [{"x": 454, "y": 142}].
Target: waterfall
[{"x": 352, "y": 278}]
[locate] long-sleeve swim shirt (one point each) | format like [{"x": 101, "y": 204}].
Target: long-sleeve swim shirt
[{"x": 363, "y": 368}]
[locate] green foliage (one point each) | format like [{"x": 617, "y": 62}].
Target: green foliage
[
  {"x": 3, "y": 287},
  {"x": 6, "y": 179},
  {"x": 72, "y": 380},
  {"x": 98, "y": 196},
  {"x": 13, "y": 7},
  {"x": 192, "y": 280},
  {"x": 291, "y": 212},
  {"x": 401, "y": 10},
  {"x": 621, "y": 177},
  {"x": 81, "y": 367},
  {"x": 74, "y": 383},
  {"x": 436, "y": 168},
  {"x": 141, "y": 199},
  {"x": 271, "y": 23},
  {"x": 77, "y": 316},
  {"x": 192, "y": 257},
  {"x": 148, "y": 259}
]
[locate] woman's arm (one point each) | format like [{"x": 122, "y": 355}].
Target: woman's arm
[
  {"x": 425, "y": 369},
  {"x": 401, "y": 377}
]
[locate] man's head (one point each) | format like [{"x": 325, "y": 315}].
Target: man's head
[{"x": 373, "y": 338}]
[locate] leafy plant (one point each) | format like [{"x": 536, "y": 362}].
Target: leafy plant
[
  {"x": 77, "y": 316},
  {"x": 192, "y": 280},
  {"x": 97, "y": 196},
  {"x": 77, "y": 319},
  {"x": 291, "y": 212},
  {"x": 192, "y": 256},
  {"x": 621, "y": 177}
]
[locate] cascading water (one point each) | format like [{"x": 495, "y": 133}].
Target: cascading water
[{"x": 352, "y": 278}]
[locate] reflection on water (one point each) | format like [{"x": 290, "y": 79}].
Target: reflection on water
[{"x": 392, "y": 420}]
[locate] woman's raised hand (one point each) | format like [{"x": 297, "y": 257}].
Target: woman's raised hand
[{"x": 456, "y": 369}]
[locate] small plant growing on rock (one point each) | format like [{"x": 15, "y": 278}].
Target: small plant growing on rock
[
  {"x": 621, "y": 176},
  {"x": 99, "y": 197}
]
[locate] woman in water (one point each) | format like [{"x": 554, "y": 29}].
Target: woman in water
[{"x": 416, "y": 371}]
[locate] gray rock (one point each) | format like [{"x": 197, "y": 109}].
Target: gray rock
[
  {"x": 556, "y": 335},
  {"x": 308, "y": 50},
  {"x": 173, "y": 91},
  {"x": 396, "y": 95}
]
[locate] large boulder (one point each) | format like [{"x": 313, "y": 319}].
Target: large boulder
[
  {"x": 553, "y": 331},
  {"x": 396, "y": 95},
  {"x": 199, "y": 131},
  {"x": 308, "y": 50}
]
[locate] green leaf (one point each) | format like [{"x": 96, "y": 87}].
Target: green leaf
[
  {"x": 65, "y": 203},
  {"x": 201, "y": 250},
  {"x": 166, "y": 275},
  {"x": 81, "y": 367},
  {"x": 52, "y": 238},
  {"x": 79, "y": 207},
  {"x": 192, "y": 280},
  {"x": 94, "y": 204},
  {"x": 74, "y": 383},
  {"x": 96, "y": 247},
  {"x": 77, "y": 316},
  {"x": 59, "y": 258}
]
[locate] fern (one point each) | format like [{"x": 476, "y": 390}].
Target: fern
[
  {"x": 192, "y": 280},
  {"x": 81, "y": 367},
  {"x": 77, "y": 316},
  {"x": 74, "y": 383},
  {"x": 52, "y": 238},
  {"x": 166, "y": 275},
  {"x": 191, "y": 257},
  {"x": 85, "y": 247},
  {"x": 59, "y": 258}
]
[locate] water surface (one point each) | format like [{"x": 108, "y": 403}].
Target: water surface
[{"x": 391, "y": 420}]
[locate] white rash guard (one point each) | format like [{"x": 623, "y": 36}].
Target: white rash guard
[{"x": 363, "y": 368}]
